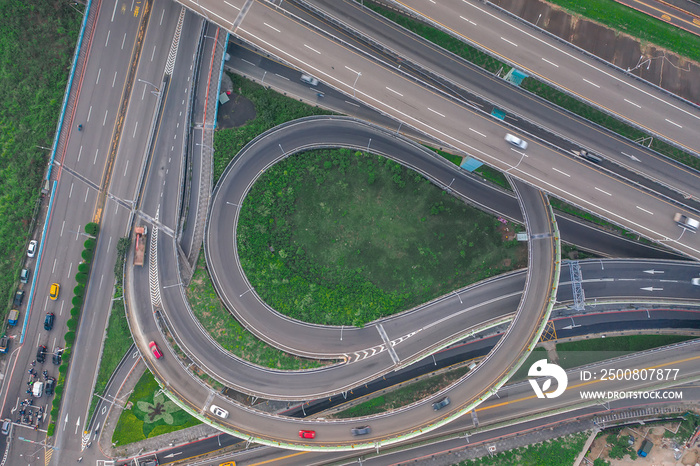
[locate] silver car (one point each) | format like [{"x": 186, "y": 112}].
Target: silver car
[
  {"x": 31, "y": 250},
  {"x": 516, "y": 141},
  {"x": 364, "y": 430}
]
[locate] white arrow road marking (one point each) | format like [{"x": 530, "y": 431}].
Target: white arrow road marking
[
  {"x": 77, "y": 424},
  {"x": 652, "y": 271},
  {"x": 651, "y": 288},
  {"x": 171, "y": 455}
]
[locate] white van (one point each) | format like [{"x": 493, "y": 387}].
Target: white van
[
  {"x": 305, "y": 78},
  {"x": 38, "y": 389}
]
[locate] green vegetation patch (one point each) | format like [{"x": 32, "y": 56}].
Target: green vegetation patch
[
  {"x": 560, "y": 452},
  {"x": 152, "y": 413},
  {"x": 405, "y": 395},
  {"x": 272, "y": 109},
  {"x": 343, "y": 238},
  {"x": 226, "y": 330},
  {"x": 37, "y": 40},
  {"x": 630, "y": 343}
]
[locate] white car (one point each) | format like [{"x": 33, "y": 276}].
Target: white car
[
  {"x": 695, "y": 281},
  {"x": 221, "y": 412},
  {"x": 516, "y": 141},
  {"x": 31, "y": 250}
]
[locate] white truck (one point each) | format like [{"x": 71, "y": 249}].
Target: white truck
[
  {"x": 686, "y": 222},
  {"x": 38, "y": 389}
]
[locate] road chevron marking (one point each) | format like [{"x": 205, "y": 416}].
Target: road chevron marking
[{"x": 369, "y": 352}]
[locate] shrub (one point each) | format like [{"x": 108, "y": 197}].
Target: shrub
[
  {"x": 90, "y": 243},
  {"x": 72, "y": 323},
  {"x": 50, "y": 430},
  {"x": 83, "y": 267},
  {"x": 69, "y": 337},
  {"x": 79, "y": 290},
  {"x": 81, "y": 278},
  {"x": 87, "y": 255},
  {"x": 59, "y": 390},
  {"x": 63, "y": 368},
  {"x": 75, "y": 312},
  {"x": 92, "y": 228},
  {"x": 77, "y": 301}
]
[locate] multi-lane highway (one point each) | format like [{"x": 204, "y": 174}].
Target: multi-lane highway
[{"x": 99, "y": 166}]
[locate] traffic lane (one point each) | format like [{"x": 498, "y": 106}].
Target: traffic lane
[
  {"x": 553, "y": 61},
  {"x": 482, "y": 85},
  {"x": 606, "y": 322},
  {"x": 478, "y": 135}
]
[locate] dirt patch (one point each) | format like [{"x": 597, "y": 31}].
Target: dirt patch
[
  {"x": 236, "y": 112},
  {"x": 662, "y": 454},
  {"x": 661, "y": 67}
]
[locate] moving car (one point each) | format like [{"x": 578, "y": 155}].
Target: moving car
[
  {"x": 48, "y": 320},
  {"x": 307, "y": 433},
  {"x": 695, "y": 281},
  {"x": 364, "y": 430},
  {"x": 19, "y": 297},
  {"x": 516, "y": 141},
  {"x": 155, "y": 350},
  {"x": 221, "y": 412},
  {"x": 57, "y": 357},
  {"x": 41, "y": 354},
  {"x": 309, "y": 80},
  {"x": 24, "y": 276},
  {"x": 686, "y": 222},
  {"x": 6, "y": 426},
  {"x": 53, "y": 292},
  {"x": 31, "y": 250},
  {"x": 441, "y": 404},
  {"x": 50, "y": 385}
]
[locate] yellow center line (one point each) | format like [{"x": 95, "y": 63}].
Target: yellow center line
[
  {"x": 583, "y": 384},
  {"x": 281, "y": 458}
]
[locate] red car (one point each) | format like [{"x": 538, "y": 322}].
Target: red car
[
  {"x": 307, "y": 433},
  {"x": 155, "y": 350}
]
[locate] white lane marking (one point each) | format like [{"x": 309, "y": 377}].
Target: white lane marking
[
  {"x": 563, "y": 173},
  {"x": 249, "y": 62},
  {"x": 673, "y": 122},
  {"x": 123, "y": 41},
  {"x": 395, "y": 92},
  {"x": 80, "y": 151},
  {"x": 280, "y": 76},
  {"x": 591, "y": 83},
  {"x": 348, "y": 68},
  {"x": 312, "y": 49},
  {"x": 468, "y": 20},
  {"x": 107, "y": 40},
  {"x": 87, "y": 191},
  {"x": 126, "y": 167},
  {"x": 115, "y": 10},
  {"x": 135, "y": 128},
  {"x": 272, "y": 27},
  {"x": 114, "y": 80},
  {"x": 89, "y": 113},
  {"x": 644, "y": 210},
  {"x": 475, "y": 131},
  {"x": 104, "y": 120},
  {"x": 598, "y": 189},
  {"x": 62, "y": 227},
  {"x": 70, "y": 192},
  {"x": 511, "y": 43},
  {"x": 351, "y": 103},
  {"x": 436, "y": 112},
  {"x": 153, "y": 54},
  {"x": 632, "y": 103},
  {"x": 96, "y": 152},
  {"x": 232, "y": 5},
  {"x": 162, "y": 13},
  {"x": 551, "y": 63}
]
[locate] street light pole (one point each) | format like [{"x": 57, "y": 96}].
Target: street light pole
[{"x": 157, "y": 92}]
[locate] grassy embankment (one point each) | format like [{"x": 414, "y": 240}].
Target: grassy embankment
[
  {"x": 37, "y": 40},
  {"x": 344, "y": 238}
]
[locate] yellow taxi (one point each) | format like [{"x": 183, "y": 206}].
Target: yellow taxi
[{"x": 53, "y": 293}]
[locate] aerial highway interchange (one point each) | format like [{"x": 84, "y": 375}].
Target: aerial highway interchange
[{"x": 151, "y": 194}]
